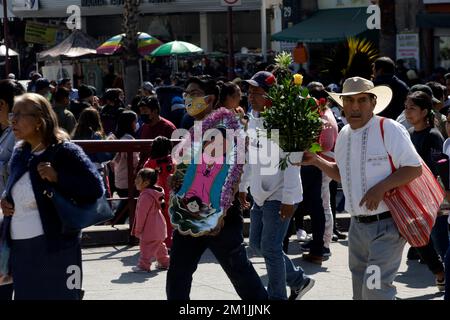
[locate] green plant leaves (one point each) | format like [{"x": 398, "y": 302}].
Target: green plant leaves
[{"x": 293, "y": 113}]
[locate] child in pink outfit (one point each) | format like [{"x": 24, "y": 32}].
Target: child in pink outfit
[
  {"x": 149, "y": 223},
  {"x": 161, "y": 161}
]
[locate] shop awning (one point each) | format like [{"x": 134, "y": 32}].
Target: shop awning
[
  {"x": 433, "y": 20},
  {"x": 331, "y": 25}
]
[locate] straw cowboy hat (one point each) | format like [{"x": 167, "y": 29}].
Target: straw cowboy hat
[{"x": 357, "y": 85}]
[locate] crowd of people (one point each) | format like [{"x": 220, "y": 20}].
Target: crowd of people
[{"x": 354, "y": 154}]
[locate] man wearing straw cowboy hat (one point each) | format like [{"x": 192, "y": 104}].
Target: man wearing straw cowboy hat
[{"x": 362, "y": 166}]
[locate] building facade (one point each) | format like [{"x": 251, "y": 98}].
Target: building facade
[
  {"x": 433, "y": 21},
  {"x": 202, "y": 22}
]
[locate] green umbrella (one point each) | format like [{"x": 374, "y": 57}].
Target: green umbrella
[{"x": 175, "y": 48}]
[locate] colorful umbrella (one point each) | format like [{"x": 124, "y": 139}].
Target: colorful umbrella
[
  {"x": 175, "y": 48},
  {"x": 146, "y": 44}
]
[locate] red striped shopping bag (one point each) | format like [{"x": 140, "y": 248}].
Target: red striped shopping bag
[{"x": 414, "y": 206}]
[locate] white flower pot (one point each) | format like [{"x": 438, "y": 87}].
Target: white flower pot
[{"x": 295, "y": 157}]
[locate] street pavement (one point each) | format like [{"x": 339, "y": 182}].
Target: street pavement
[{"x": 108, "y": 276}]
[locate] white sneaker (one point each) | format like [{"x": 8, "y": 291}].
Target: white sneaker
[
  {"x": 161, "y": 266},
  {"x": 302, "y": 236},
  {"x": 138, "y": 269}
]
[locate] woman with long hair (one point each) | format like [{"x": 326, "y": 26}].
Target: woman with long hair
[
  {"x": 428, "y": 142},
  {"x": 126, "y": 128},
  {"x": 45, "y": 256},
  {"x": 89, "y": 127},
  {"x": 230, "y": 96},
  {"x": 8, "y": 90}
]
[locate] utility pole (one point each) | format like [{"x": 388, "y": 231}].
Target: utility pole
[
  {"x": 6, "y": 36},
  {"x": 263, "y": 30},
  {"x": 230, "y": 44},
  {"x": 388, "y": 28}
]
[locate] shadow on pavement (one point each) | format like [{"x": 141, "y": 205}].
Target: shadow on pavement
[
  {"x": 429, "y": 296},
  {"x": 130, "y": 260},
  {"x": 342, "y": 243},
  {"x": 107, "y": 254},
  {"x": 132, "y": 277},
  {"x": 416, "y": 276}
]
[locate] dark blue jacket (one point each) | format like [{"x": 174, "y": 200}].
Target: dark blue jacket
[
  {"x": 78, "y": 179},
  {"x": 399, "y": 92}
]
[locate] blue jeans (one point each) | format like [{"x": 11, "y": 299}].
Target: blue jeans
[{"x": 267, "y": 231}]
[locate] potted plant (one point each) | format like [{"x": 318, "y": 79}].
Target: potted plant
[{"x": 293, "y": 113}]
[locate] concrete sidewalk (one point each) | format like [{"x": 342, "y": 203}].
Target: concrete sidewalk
[{"x": 108, "y": 276}]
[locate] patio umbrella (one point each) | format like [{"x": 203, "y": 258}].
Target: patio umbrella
[
  {"x": 77, "y": 44},
  {"x": 11, "y": 53},
  {"x": 146, "y": 44},
  {"x": 175, "y": 48}
]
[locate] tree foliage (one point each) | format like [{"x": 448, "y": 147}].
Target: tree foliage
[{"x": 350, "y": 59}]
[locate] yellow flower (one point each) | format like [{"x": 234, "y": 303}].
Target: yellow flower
[{"x": 298, "y": 79}]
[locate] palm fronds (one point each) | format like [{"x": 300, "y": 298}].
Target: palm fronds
[{"x": 353, "y": 58}]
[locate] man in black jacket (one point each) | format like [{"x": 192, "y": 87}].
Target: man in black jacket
[{"x": 383, "y": 74}]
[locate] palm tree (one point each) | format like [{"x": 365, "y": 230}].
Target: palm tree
[
  {"x": 388, "y": 28},
  {"x": 130, "y": 45}
]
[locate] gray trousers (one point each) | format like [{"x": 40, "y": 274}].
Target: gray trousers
[{"x": 375, "y": 253}]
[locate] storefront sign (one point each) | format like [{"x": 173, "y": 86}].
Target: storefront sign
[
  {"x": 100, "y": 3},
  {"x": 25, "y": 5},
  {"x": 408, "y": 49},
  {"x": 40, "y": 33},
  {"x": 340, "y": 4}
]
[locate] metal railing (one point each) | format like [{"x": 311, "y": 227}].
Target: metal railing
[{"x": 128, "y": 146}]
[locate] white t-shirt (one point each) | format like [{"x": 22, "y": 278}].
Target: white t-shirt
[
  {"x": 266, "y": 181},
  {"x": 26, "y": 222},
  {"x": 363, "y": 161}
]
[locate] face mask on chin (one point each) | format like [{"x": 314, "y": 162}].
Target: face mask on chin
[{"x": 195, "y": 105}]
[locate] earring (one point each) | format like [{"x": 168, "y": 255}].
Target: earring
[{"x": 37, "y": 128}]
